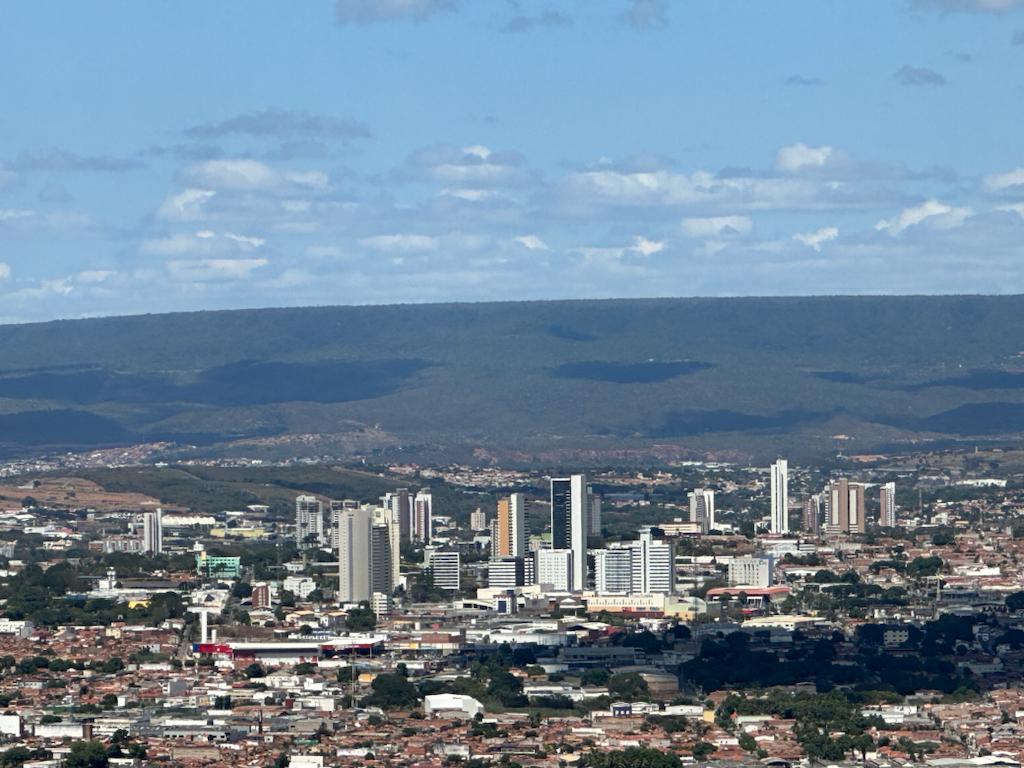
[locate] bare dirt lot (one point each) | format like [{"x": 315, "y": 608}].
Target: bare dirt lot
[{"x": 73, "y": 493}]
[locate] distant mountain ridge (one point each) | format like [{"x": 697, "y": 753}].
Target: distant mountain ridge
[{"x": 757, "y": 374}]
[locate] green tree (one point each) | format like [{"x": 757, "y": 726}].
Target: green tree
[
  {"x": 112, "y": 665},
  {"x": 361, "y": 619},
  {"x": 241, "y": 590},
  {"x": 595, "y": 676},
  {"x": 392, "y": 691},
  {"x": 702, "y": 750},
  {"x": 628, "y": 686},
  {"x": 86, "y": 754},
  {"x": 632, "y": 757},
  {"x": 1015, "y": 602}
]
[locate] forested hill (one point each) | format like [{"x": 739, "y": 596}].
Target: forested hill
[{"x": 762, "y": 374}]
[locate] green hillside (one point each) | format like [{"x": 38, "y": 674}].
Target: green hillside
[{"x": 749, "y": 374}]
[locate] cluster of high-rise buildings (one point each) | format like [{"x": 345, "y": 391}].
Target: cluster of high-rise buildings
[
  {"x": 413, "y": 513},
  {"x": 563, "y": 563},
  {"x": 368, "y": 539},
  {"x": 839, "y": 508}
]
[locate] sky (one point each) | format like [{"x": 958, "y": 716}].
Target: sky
[{"x": 184, "y": 154}]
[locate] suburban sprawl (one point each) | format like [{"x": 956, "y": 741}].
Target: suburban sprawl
[{"x": 403, "y": 615}]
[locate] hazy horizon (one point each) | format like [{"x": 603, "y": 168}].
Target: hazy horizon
[{"x": 471, "y": 302}]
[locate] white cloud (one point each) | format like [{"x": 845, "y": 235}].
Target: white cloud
[
  {"x": 5, "y": 271},
  {"x": 292, "y": 278},
  {"x": 532, "y": 243},
  {"x": 247, "y": 175},
  {"x": 666, "y": 188},
  {"x": 815, "y": 240},
  {"x": 246, "y": 242},
  {"x": 934, "y": 213},
  {"x": 971, "y": 6},
  {"x": 172, "y": 245},
  {"x": 1017, "y": 208},
  {"x": 798, "y": 157},
  {"x": 400, "y": 242},
  {"x": 644, "y": 247},
  {"x": 212, "y": 270},
  {"x": 646, "y": 14},
  {"x": 608, "y": 254},
  {"x": 472, "y": 166},
  {"x": 324, "y": 252},
  {"x": 13, "y": 214},
  {"x": 296, "y": 206},
  {"x": 202, "y": 242},
  {"x": 376, "y": 11},
  {"x": 187, "y": 205},
  {"x": 1000, "y": 181},
  {"x": 471, "y": 195},
  {"x": 234, "y": 174},
  {"x": 311, "y": 179},
  {"x": 716, "y": 226},
  {"x": 92, "y": 276}
]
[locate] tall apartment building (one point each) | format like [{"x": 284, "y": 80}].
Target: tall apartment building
[
  {"x": 309, "y": 522},
  {"x": 812, "y": 513},
  {"x": 422, "y": 516},
  {"x": 510, "y": 528},
  {"x": 506, "y": 573},
  {"x": 702, "y": 508},
  {"x": 857, "y": 508},
  {"x": 260, "y": 597},
  {"x": 381, "y": 581},
  {"x": 355, "y": 555},
  {"x": 751, "y": 572},
  {"x": 837, "y": 506},
  {"x": 400, "y": 504},
  {"x": 153, "y": 532},
  {"x": 385, "y": 518},
  {"x": 652, "y": 565},
  {"x": 554, "y": 569},
  {"x": 845, "y": 507},
  {"x": 642, "y": 567},
  {"x": 478, "y": 520},
  {"x": 594, "y": 502},
  {"x": 780, "y": 496},
  {"x": 613, "y": 570},
  {"x": 570, "y": 523},
  {"x": 887, "y": 505},
  {"x": 444, "y": 568},
  {"x": 334, "y": 514}
]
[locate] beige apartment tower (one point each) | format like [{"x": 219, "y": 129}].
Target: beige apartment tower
[{"x": 511, "y": 526}]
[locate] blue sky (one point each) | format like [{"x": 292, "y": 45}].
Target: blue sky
[{"x": 185, "y": 155}]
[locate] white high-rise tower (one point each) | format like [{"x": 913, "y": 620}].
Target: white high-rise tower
[
  {"x": 153, "y": 532},
  {"x": 355, "y": 554},
  {"x": 422, "y": 516},
  {"x": 702, "y": 508},
  {"x": 887, "y": 506},
  {"x": 309, "y": 522},
  {"x": 780, "y": 496}
]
